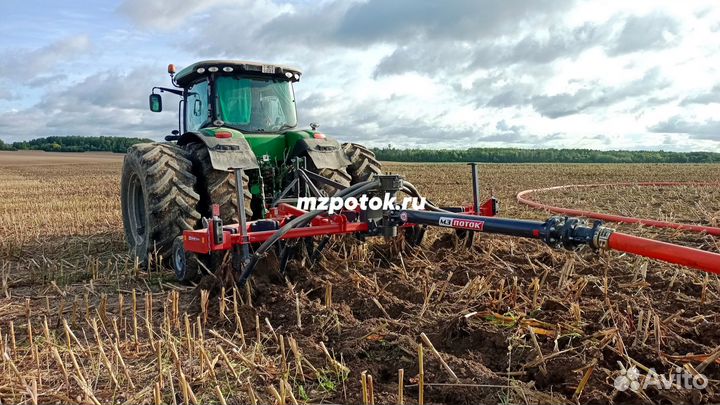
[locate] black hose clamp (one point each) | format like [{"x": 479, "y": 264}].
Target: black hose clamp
[
  {"x": 601, "y": 237},
  {"x": 571, "y": 233}
]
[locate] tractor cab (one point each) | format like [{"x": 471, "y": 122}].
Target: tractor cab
[{"x": 249, "y": 97}]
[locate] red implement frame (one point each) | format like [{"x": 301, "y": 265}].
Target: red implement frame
[{"x": 202, "y": 241}]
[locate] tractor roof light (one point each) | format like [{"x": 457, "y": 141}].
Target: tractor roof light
[
  {"x": 213, "y": 69},
  {"x": 297, "y": 76},
  {"x": 200, "y": 70},
  {"x": 289, "y": 75},
  {"x": 228, "y": 69},
  {"x": 171, "y": 69}
]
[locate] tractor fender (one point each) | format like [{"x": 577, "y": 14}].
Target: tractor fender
[
  {"x": 225, "y": 153},
  {"x": 324, "y": 153}
]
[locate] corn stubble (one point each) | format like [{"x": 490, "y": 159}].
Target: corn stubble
[{"x": 505, "y": 320}]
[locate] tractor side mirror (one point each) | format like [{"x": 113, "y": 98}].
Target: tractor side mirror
[{"x": 155, "y": 103}]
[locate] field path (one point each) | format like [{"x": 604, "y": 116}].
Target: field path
[{"x": 40, "y": 158}]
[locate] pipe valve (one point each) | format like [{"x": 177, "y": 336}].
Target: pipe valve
[{"x": 571, "y": 233}]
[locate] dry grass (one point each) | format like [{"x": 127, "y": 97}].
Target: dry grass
[{"x": 507, "y": 320}]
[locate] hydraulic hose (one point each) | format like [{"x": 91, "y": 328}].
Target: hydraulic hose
[
  {"x": 668, "y": 252},
  {"x": 300, "y": 221},
  {"x": 523, "y": 198},
  {"x": 570, "y": 233},
  {"x": 671, "y": 253},
  {"x": 410, "y": 189}
]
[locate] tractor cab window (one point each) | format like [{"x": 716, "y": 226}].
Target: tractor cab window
[
  {"x": 256, "y": 104},
  {"x": 196, "y": 109}
]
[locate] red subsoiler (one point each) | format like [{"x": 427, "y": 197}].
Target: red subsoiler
[{"x": 285, "y": 223}]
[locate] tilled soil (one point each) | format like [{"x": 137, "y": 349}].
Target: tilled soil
[
  {"x": 514, "y": 320},
  {"x": 481, "y": 306}
]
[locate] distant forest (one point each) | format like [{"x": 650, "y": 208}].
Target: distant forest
[
  {"x": 75, "y": 144},
  {"x": 514, "y": 155},
  {"x": 484, "y": 155}
]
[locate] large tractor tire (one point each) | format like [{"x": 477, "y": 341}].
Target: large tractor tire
[
  {"x": 217, "y": 187},
  {"x": 363, "y": 162},
  {"x": 363, "y": 165},
  {"x": 158, "y": 199},
  {"x": 340, "y": 176}
]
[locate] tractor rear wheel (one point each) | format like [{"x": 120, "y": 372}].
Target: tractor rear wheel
[
  {"x": 363, "y": 165},
  {"x": 363, "y": 162},
  {"x": 339, "y": 176},
  {"x": 217, "y": 187},
  {"x": 158, "y": 199}
]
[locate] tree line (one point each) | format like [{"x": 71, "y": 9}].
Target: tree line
[
  {"x": 75, "y": 144},
  {"x": 515, "y": 155},
  {"x": 484, "y": 155}
]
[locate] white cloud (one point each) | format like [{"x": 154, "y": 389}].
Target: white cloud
[
  {"x": 105, "y": 103},
  {"x": 169, "y": 14},
  {"x": 26, "y": 64},
  {"x": 457, "y": 73}
]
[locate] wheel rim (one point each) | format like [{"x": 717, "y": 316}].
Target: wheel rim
[
  {"x": 179, "y": 262},
  {"x": 136, "y": 209}
]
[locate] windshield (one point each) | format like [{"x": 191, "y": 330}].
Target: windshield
[{"x": 255, "y": 104}]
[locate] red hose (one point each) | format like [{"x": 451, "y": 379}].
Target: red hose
[
  {"x": 521, "y": 197},
  {"x": 668, "y": 252},
  {"x": 686, "y": 256}
]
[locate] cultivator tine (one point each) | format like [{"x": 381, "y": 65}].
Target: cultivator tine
[
  {"x": 414, "y": 236},
  {"x": 476, "y": 187},
  {"x": 242, "y": 255},
  {"x": 286, "y": 251},
  {"x": 470, "y": 237},
  {"x": 318, "y": 250},
  {"x": 309, "y": 244}
]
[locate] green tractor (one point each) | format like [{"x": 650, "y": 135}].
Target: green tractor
[{"x": 231, "y": 115}]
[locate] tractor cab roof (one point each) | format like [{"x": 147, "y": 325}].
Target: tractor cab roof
[{"x": 236, "y": 67}]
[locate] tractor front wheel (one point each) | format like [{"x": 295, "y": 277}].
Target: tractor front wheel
[{"x": 158, "y": 200}]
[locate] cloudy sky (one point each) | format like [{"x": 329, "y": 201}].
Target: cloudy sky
[{"x": 410, "y": 73}]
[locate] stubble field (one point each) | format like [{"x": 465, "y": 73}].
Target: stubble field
[{"x": 507, "y": 320}]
